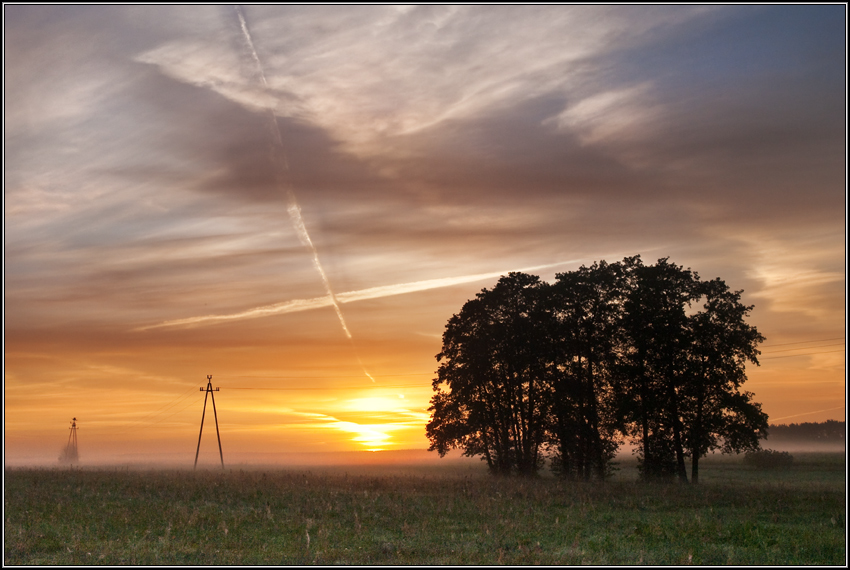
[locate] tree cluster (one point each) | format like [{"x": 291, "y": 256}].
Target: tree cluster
[{"x": 610, "y": 353}]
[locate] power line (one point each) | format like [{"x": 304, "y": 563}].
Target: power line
[
  {"x": 159, "y": 421},
  {"x": 805, "y": 354},
  {"x": 805, "y": 341},
  {"x": 162, "y": 409},
  {"x": 351, "y": 376},
  {"x": 328, "y": 387},
  {"x": 794, "y": 382},
  {"x": 806, "y": 347},
  {"x": 133, "y": 424}
]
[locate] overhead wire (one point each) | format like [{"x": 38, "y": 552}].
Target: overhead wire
[
  {"x": 804, "y": 354},
  {"x": 328, "y": 377},
  {"x": 805, "y": 342},
  {"x": 313, "y": 389},
  {"x": 149, "y": 419},
  {"x": 805, "y": 348},
  {"x": 159, "y": 421}
]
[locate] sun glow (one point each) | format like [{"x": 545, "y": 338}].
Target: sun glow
[
  {"x": 373, "y": 437},
  {"x": 375, "y": 421}
]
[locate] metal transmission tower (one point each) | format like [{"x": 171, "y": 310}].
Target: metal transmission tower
[
  {"x": 209, "y": 393},
  {"x": 69, "y": 454}
]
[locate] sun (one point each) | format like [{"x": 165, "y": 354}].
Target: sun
[{"x": 383, "y": 415}]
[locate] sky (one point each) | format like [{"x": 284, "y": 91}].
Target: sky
[{"x": 296, "y": 199}]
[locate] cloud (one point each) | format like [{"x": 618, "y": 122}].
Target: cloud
[
  {"x": 800, "y": 275},
  {"x": 331, "y": 67}
]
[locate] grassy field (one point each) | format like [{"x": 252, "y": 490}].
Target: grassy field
[{"x": 426, "y": 516}]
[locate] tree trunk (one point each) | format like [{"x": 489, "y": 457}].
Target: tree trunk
[
  {"x": 598, "y": 459},
  {"x": 680, "y": 452},
  {"x": 695, "y": 468},
  {"x": 697, "y": 436},
  {"x": 648, "y": 459},
  {"x": 677, "y": 435}
]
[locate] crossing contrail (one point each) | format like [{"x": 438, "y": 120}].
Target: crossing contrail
[
  {"x": 298, "y": 305},
  {"x": 281, "y": 167}
]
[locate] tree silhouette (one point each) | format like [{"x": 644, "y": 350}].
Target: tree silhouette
[
  {"x": 718, "y": 414},
  {"x": 655, "y": 358},
  {"x": 607, "y": 351},
  {"x": 586, "y": 307},
  {"x": 496, "y": 403}
]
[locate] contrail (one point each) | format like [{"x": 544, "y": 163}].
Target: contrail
[
  {"x": 281, "y": 173},
  {"x": 806, "y": 414},
  {"x": 298, "y": 305}
]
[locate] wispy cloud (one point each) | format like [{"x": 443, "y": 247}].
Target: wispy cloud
[
  {"x": 342, "y": 80},
  {"x": 298, "y": 305}
]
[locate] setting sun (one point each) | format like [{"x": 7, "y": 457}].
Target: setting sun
[{"x": 382, "y": 423}]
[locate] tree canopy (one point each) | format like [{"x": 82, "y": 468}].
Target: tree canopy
[{"x": 607, "y": 353}]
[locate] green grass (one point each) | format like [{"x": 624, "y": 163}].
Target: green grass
[{"x": 736, "y": 516}]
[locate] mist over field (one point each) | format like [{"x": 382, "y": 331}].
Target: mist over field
[
  {"x": 828, "y": 436},
  {"x": 798, "y": 446},
  {"x": 408, "y": 461}
]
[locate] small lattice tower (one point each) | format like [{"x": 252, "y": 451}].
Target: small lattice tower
[{"x": 70, "y": 453}]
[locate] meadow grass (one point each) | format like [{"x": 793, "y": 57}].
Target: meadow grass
[{"x": 324, "y": 516}]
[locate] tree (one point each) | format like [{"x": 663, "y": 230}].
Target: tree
[
  {"x": 492, "y": 388},
  {"x": 718, "y": 414},
  {"x": 654, "y": 362},
  {"x": 684, "y": 372},
  {"x": 586, "y": 305}
]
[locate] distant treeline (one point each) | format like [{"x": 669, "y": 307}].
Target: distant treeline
[{"x": 829, "y": 431}]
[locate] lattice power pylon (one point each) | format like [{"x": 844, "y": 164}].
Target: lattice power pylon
[
  {"x": 70, "y": 453},
  {"x": 209, "y": 393}
]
